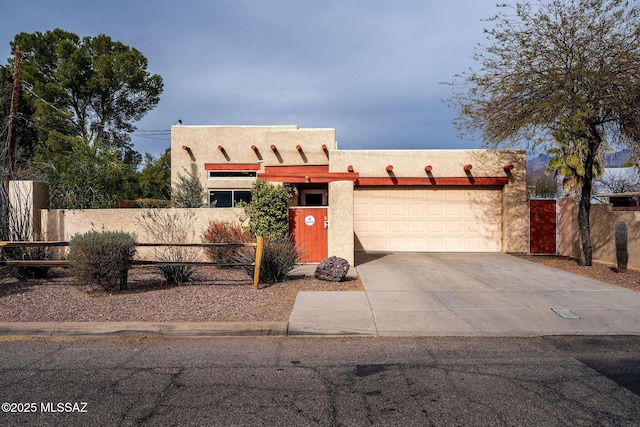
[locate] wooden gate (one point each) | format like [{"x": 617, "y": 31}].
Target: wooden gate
[
  {"x": 307, "y": 226},
  {"x": 542, "y": 227}
]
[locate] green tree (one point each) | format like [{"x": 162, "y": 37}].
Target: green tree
[
  {"x": 81, "y": 176},
  {"x": 26, "y": 132},
  {"x": 565, "y": 68},
  {"x": 567, "y": 160},
  {"x": 93, "y": 88},
  {"x": 155, "y": 177}
]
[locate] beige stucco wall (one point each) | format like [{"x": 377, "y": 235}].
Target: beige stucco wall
[
  {"x": 449, "y": 164},
  {"x": 603, "y": 220},
  {"x": 63, "y": 224},
  {"x": 411, "y": 163},
  {"x": 27, "y": 198},
  {"x": 203, "y": 142},
  {"x": 341, "y": 241}
]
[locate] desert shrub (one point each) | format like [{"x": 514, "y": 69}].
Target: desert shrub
[
  {"x": 279, "y": 257},
  {"x": 27, "y": 254},
  {"x": 188, "y": 192},
  {"x": 102, "y": 258},
  {"x": 171, "y": 226},
  {"x": 227, "y": 232}
]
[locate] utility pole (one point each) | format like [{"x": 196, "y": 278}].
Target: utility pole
[{"x": 15, "y": 98}]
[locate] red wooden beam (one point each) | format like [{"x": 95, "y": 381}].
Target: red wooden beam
[
  {"x": 317, "y": 178},
  {"x": 254, "y": 148},
  {"x": 428, "y": 168},
  {"x": 274, "y": 148},
  {"x": 467, "y": 168},
  {"x": 220, "y": 147},
  {"x": 508, "y": 167},
  {"x": 298, "y": 147},
  {"x": 350, "y": 168},
  {"x": 389, "y": 168},
  {"x": 391, "y": 181},
  {"x": 186, "y": 148},
  {"x": 296, "y": 170},
  {"x": 324, "y": 147}
]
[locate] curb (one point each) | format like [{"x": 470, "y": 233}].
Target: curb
[{"x": 122, "y": 329}]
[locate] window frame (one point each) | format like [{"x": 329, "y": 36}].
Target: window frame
[{"x": 233, "y": 192}]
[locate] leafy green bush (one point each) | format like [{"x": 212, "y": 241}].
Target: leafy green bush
[
  {"x": 102, "y": 258},
  {"x": 279, "y": 257},
  {"x": 268, "y": 211},
  {"x": 227, "y": 232}
]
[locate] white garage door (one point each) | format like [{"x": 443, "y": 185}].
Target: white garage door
[{"x": 418, "y": 219}]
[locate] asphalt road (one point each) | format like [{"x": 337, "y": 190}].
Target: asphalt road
[{"x": 320, "y": 381}]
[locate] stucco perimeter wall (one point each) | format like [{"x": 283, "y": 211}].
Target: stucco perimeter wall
[
  {"x": 203, "y": 142},
  {"x": 26, "y": 199},
  {"x": 341, "y": 242},
  {"x": 62, "y": 224},
  {"x": 603, "y": 220},
  {"x": 450, "y": 164}
]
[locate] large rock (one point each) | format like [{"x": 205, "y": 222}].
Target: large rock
[{"x": 332, "y": 269}]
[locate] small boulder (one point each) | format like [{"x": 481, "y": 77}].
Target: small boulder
[{"x": 332, "y": 269}]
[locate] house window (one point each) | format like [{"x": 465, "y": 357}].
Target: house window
[
  {"x": 232, "y": 174},
  {"x": 228, "y": 198}
]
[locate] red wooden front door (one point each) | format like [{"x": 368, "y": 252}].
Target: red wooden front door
[
  {"x": 542, "y": 226},
  {"x": 307, "y": 227}
]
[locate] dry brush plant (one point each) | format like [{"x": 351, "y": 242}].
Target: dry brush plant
[{"x": 171, "y": 226}]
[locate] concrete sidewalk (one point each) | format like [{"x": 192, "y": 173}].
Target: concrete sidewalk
[{"x": 466, "y": 295}]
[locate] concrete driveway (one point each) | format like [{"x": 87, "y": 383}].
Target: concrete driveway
[{"x": 420, "y": 294}]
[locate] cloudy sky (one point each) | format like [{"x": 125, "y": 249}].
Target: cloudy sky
[{"x": 371, "y": 69}]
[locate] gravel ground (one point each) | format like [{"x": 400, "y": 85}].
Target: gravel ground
[
  {"x": 212, "y": 295},
  {"x": 604, "y": 273}
]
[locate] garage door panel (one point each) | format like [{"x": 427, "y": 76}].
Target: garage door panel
[
  {"x": 398, "y": 226},
  {"x": 428, "y": 219},
  {"x": 379, "y": 209},
  {"x": 435, "y": 226},
  {"x": 416, "y": 226},
  {"x": 398, "y": 209}
]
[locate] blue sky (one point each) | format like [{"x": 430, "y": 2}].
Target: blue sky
[{"x": 370, "y": 69}]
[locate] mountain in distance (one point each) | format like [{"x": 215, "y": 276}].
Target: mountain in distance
[{"x": 612, "y": 160}]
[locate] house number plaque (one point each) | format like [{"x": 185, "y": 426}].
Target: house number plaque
[{"x": 309, "y": 220}]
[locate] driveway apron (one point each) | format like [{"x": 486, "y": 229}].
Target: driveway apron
[{"x": 466, "y": 294}]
